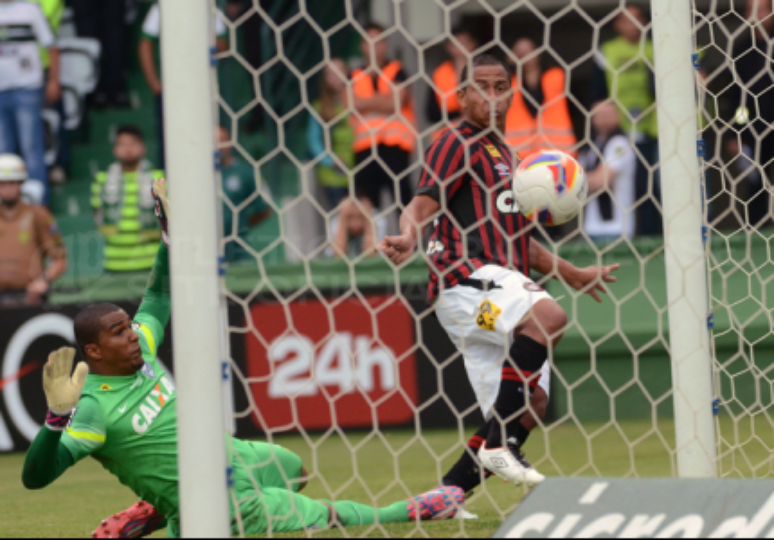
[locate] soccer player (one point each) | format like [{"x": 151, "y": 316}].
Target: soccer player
[
  {"x": 119, "y": 407},
  {"x": 480, "y": 255}
]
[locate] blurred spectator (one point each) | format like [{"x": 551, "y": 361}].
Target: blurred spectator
[
  {"x": 28, "y": 238},
  {"x": 356, "y": 230},
  {"x": 381, "y": 131},
  {"x": 105, "y": 21},
  {"x": 624, "y": 74},
  {"x": 332, "y": 173},
  {"x": 539, "y": 117},
  {"x": 245, "y": 207},
  {"x": 23, "y": 31},
  {"x": 53, "y": 10},
  {"x": 124, "y": 207},
  {"x": 445, "y": 107},
  {"x": 752, "y": 107},
  {"x": 611, "y": 168},
  {"x": 149, "y": 40}
]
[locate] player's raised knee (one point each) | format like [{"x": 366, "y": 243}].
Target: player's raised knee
[{"x": 550, "y": 321}]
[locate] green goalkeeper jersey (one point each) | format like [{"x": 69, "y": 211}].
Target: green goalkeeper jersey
[{"x": 128, "y": 424}]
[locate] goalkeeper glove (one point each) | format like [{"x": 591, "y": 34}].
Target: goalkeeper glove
[
  {"x": 62, "y": 391},
  {"x": 159, "y": 191}
]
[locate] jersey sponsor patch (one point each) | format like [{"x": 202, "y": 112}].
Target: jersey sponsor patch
[
  {"x": 152, "y": 405},
  {"x": 435, "y": 247},
  {"x": 147, "y": 370},
  {"x": 105, "y": 387},
  {"x": 533, "y": 287},
  {"x": 488, "y": 314},
  {"x": 493, "y": 151}
]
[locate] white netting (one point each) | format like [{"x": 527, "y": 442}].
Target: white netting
[
  {"x": 339, "y": 347},
  {"x": 736, "y": 69}
]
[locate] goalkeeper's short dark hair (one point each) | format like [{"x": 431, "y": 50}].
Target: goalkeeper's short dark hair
[
  {"x": 488, "y": 58},
  {"x": 88, "y": 324}
]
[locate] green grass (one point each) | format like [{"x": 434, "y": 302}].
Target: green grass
[{"x": 383, "y": 468}]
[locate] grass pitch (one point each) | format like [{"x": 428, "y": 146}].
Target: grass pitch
[{"x": 372, "y": 467}]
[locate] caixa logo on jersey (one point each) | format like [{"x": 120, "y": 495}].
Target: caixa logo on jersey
[
  {"x": 314, "y": 364},
  {"x": 506, "y": 203}
]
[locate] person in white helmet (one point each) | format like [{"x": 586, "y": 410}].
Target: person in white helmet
[{"x": 32, "y": 254}]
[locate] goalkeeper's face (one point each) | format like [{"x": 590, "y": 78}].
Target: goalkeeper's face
[{"x": 116, "y": 352}]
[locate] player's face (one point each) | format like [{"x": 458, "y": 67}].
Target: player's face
[
  {"x": 129, "y": 150},
  {"x": 487, "y": 99},
  {"x": 117, "y": 352},
  {"x": 10, "y": 192}
]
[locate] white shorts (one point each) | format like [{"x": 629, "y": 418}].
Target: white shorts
[{"x": 481, "y": 325}]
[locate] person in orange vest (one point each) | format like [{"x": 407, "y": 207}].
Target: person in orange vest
[
  {"x": 540, "y": 116},
  {"x": 445, "y": 108},
  {"x": 384, "y": 122}
]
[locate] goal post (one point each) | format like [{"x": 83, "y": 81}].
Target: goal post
[
  {"x": 189, "y": 117},
  {"x": 683, "y": 211}
]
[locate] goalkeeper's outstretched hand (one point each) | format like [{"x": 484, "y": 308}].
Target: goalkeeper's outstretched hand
[
  {"x": 62, "y": 390},
  {"x": 162, "y": 207}
]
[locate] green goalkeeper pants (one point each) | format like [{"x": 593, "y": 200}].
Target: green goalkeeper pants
[
  {"x": 264, "y": 497},
  {"x": 266, "y": 492}
]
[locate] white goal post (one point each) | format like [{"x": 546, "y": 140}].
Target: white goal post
[
  {"x": 189, "y": 117},
  {"x": 684, "y": 232}
]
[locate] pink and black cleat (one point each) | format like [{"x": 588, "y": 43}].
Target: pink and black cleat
[
  {"x": 138, "y": 521},
  {"x": 441, "y": 503}
]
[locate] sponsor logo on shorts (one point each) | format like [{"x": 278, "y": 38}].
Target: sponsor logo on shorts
[
  {"x": 533, "y": 287},
  {"x": 488, "y": 313}
]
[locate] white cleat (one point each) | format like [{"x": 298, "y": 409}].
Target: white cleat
[
  {"x": 464, "y": 514},
  {"x": 503, "y": 463}
]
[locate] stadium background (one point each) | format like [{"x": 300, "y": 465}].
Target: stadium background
[{"x": 613, "y": 363}]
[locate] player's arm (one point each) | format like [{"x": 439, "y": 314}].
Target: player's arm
[
  {"x": 413, "y": 220},
  {"x": 589, "y": 280},
  {"x": 441, "y": 179},
  {"x": 50, "y": 456},
  {"x": 156, "y": 307}
]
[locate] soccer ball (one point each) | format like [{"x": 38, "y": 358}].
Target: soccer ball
[{"x": 550, "y": 187}]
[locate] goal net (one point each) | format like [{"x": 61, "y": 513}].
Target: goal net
[{"x": 335, "y": 352}]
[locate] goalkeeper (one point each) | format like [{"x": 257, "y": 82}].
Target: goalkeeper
[{"x": 119, "y": 407}]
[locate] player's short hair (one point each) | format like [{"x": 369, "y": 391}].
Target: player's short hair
[
  {"x": 130, "y": 129},
  {"x": 489, "y": 58},
  {"x": 88, "y": 324}
]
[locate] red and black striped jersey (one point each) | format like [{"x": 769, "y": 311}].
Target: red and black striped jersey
[{"x": 469, "y": 172}]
